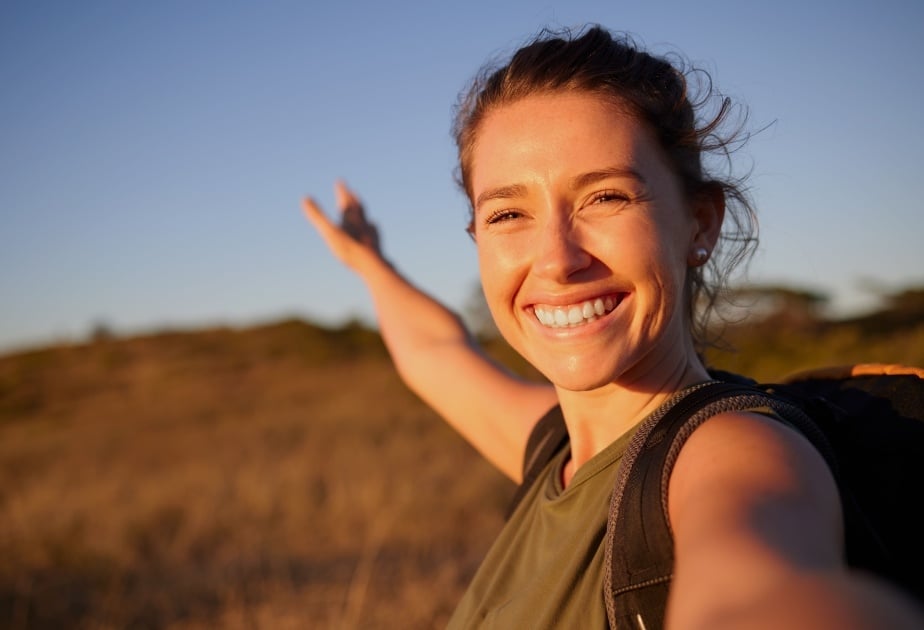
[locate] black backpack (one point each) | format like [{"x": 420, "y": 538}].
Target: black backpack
[{"x": 866, "y": 420}]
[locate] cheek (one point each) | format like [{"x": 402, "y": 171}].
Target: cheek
[
  {"x": 491, "y": 270},
  {"x": 502, "y": 273},
  {"x": 497, "y": 261},
  {"x": 673, "y": 235},
  {"x": 672, "y": 277},
  {"x": 650, "y": 256}
]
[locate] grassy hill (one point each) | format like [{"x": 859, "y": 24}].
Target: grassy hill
[{"x": 275, "y": 477}]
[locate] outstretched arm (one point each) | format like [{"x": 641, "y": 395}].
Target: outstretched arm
[{"x": 431, "y": 348}]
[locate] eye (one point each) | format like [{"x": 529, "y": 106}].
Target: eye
[
  {"x": 501, "y": 216},
  {"x": 608, "y": 196}
]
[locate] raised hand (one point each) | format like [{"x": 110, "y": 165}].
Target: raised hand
[{"x": 355, "y": 240}]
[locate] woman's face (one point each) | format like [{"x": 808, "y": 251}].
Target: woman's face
[{"x": 584, "y": 238}]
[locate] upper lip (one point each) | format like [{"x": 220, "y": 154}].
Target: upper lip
[{"x": 562, "y": 301}]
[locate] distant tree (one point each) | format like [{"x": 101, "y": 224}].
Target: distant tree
[
  {"x": 781, "y": 305},
  {"x": 101, "y": 331},
  {"x": 477, "y": 315},
  {"x": 907, "y": 302},
  {"x": 901, "y": 309}
]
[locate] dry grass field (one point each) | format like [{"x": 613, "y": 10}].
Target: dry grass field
[
  {"x": 275, "y": 477},
  {"x": 280, "y": 477}
]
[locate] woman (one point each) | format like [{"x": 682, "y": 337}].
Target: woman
[{"x": 594, "y": 221}]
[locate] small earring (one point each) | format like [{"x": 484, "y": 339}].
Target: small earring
[{"x": 700, "y": 255}]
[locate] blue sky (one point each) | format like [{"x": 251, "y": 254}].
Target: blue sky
[{"x": 153, "y": 154}]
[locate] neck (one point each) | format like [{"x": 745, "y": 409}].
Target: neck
[{"x": 596, "y": 418}]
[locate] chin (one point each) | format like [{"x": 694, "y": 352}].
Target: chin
[{"x": 575, "y": 375}]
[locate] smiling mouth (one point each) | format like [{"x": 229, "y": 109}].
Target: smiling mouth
[{"x": 575, "y": 314}]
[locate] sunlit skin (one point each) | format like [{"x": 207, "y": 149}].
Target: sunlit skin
[{"x": 575, "y": 201}]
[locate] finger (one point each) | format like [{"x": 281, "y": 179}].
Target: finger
[
  {"x": 346, "y": 198},
  {"x": 316, "y": 216},
  {"x": 352, "y": 218}
]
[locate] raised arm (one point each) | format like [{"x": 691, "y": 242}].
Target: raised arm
[{"x": 431, "y": 348}]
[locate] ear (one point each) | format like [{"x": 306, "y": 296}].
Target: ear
[{"x": 708, "y": 214}]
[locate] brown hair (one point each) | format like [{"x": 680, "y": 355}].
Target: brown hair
[{"x": 654, "y": 90}]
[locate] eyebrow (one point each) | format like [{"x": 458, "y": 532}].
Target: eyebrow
[
  {"x": 501, "y": 192},
  {"x": 586, "y": 179}
]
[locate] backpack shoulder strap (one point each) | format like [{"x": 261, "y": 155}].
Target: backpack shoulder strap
[
  {"x": 548, "y": 436},
  {"x": 639, "y": 542}
]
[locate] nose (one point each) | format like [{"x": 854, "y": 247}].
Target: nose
[{"x": 559, "y": 252}]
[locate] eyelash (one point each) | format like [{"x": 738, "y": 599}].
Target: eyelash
[
  {"x": 501, "y": 215},
  {"x": 606, "y": 196}
]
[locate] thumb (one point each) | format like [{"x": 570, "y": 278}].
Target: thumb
[
  {"x": 340, "y": 245},
  {"x": 316, "y": 216}
]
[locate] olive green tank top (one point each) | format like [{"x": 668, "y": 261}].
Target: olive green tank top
[{"x": 545, "y": 570}]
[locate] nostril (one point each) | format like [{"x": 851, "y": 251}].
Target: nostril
[{"x": 559, "y": 257}]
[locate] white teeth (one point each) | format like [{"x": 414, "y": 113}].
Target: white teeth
[{"x": 564, "y": 317}]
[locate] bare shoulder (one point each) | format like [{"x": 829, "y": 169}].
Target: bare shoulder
[
  {"x": 749, "y": 478},
  {"x": 752, "y": 445}
]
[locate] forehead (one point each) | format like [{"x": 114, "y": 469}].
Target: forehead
[{"x": 560, "y": 134}]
